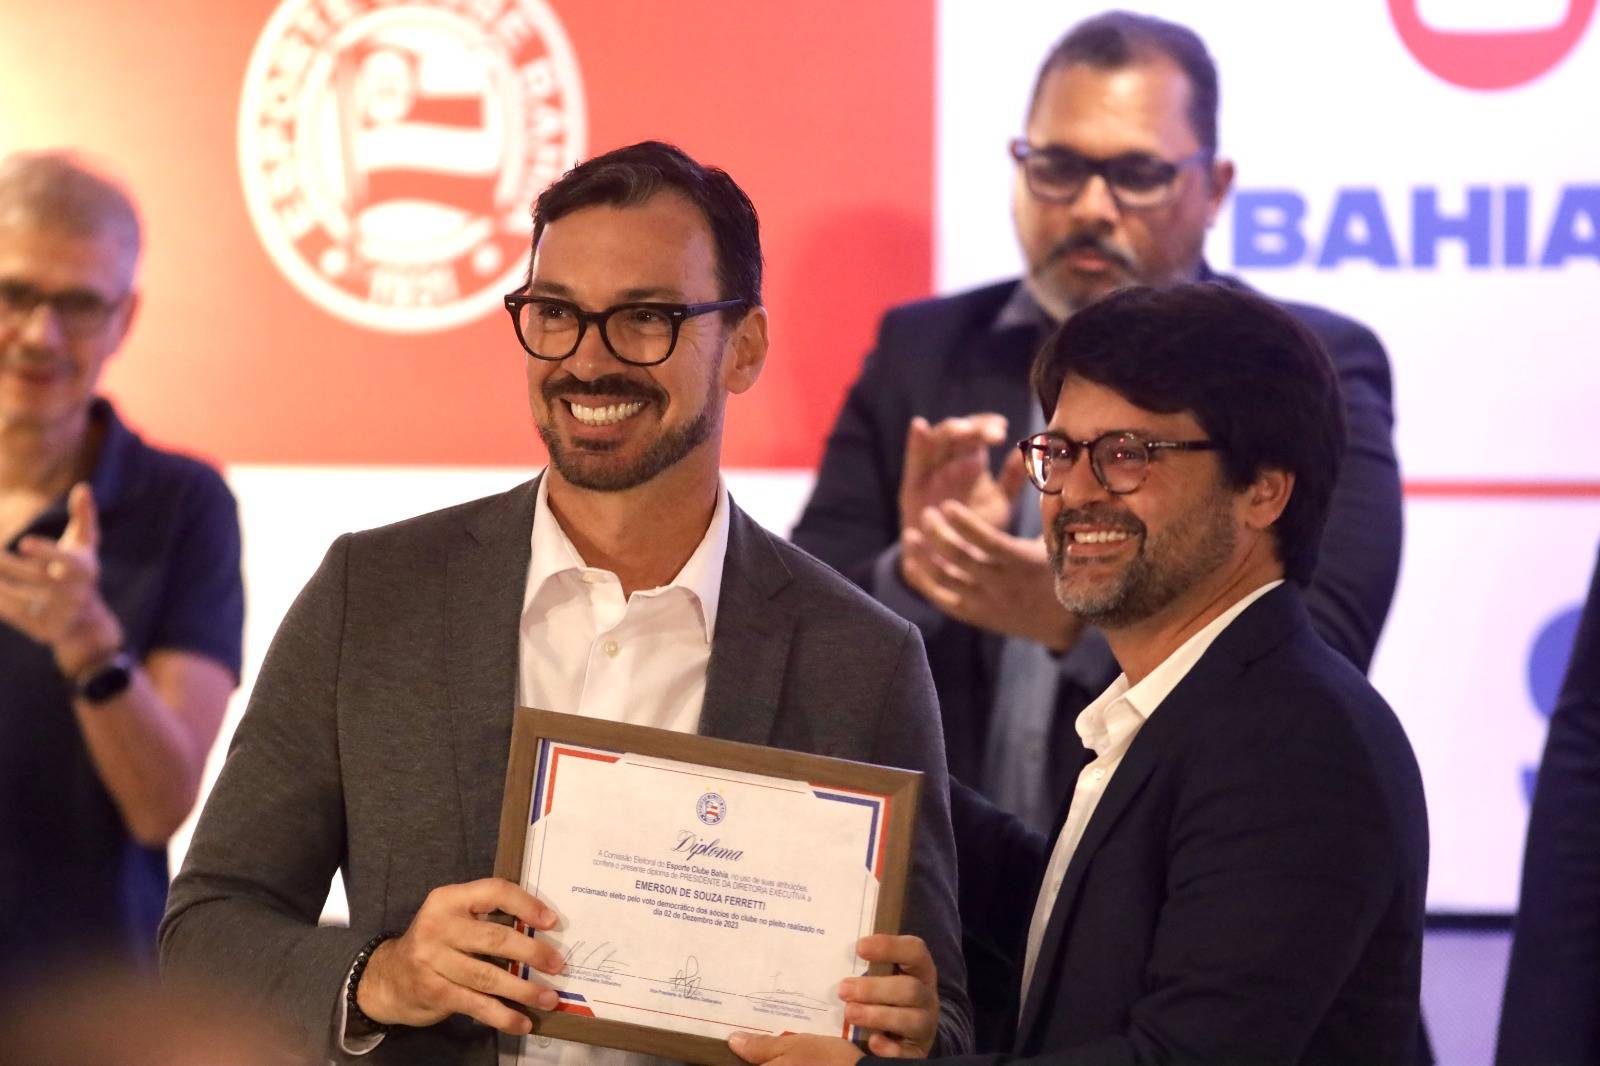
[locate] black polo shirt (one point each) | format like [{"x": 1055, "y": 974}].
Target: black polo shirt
[{"x": 71, "y": 878}]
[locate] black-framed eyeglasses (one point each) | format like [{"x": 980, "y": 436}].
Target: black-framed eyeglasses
[
  {"x": 79, "y": 312},
  {"x": 1120, "y": 459},
  {"x": 642, "y": 334},
  {"x": 1138, "y": 181}
]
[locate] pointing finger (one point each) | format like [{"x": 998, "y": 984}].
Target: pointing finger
[{"x": 83, "y": 523}]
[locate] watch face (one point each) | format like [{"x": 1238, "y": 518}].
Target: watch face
[{"x": 109, "y": 682}]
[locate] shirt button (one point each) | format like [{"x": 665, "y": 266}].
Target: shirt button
[
  {"x": 590, "y": 577},
  {"x": 1098, "y": 775},
  {"x": 611, "y": 648},
  {"x": 542, "y": 1041}
]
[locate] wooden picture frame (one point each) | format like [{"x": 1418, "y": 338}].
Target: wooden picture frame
[{"x": 531, "y": 729}]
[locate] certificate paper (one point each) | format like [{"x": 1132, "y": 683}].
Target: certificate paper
[{"x": 702, "y": 899}]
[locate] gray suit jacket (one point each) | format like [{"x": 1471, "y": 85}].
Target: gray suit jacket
[{"x": 376, "y": 736}]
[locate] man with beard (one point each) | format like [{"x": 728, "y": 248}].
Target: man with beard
[
  {"x": 621, "y": 584},
  {"x": 121, "y": 602},
  {"x": 1241, "y": 874},
  {"x": 1117, "y": 179}
]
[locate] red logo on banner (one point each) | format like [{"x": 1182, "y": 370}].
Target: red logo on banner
[
  {"x": 390, "y": 151},
  {"x": 1493, "y": 58}
]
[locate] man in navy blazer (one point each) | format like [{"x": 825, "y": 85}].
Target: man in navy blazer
[
  {"x": 1240, "y": 874},
  {"x": 1117, "y": 179}
]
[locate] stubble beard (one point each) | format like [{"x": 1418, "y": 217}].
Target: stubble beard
[
  {"x": 1054, "y": 290},
  {"x": 586, "y": 467},
  {"x": 1052, "y": 286},
  {"x": 1164, "y": 567},
  {"x": 590, "y": 466}
]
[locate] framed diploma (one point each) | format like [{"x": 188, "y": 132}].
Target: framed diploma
[{"x": 705, "y": 887}]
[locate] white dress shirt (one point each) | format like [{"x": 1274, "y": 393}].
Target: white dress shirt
[
  {"x": 1107, "y": 726},
  {"x": 585, "y": 650}
]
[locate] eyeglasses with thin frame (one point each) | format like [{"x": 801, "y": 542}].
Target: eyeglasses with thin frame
[
  {"x": 640, "y": 334},
  {"x": 78, "y": 312},
  {"x": 1120, "y": 459},
  {"x": 1138, "y": 181}
]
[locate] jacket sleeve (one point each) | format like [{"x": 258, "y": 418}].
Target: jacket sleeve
[
  {"x": 909, "y": 736},
  {"x": 1359, "y": 561},
  {"x": 243, "y": 911},
  {"x": 1552, "y": 1000},
  {"x": 996, "y": 908}
]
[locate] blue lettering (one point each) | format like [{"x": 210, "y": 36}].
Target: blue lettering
[
  {"x": 1516, "y": 231},
  {"x": 1492, "y": 226},
  {"x": 1358, "y": 230},
  {"x": 1266, "y": 228},
  {"x": 1566, "y": 242},
  {"x": 1429, "y": 226}
]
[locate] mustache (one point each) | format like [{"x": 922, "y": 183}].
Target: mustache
[
  {"x": 1105, "y": 517},
  {"x": 611, "y": 386},
  {"x": 30, "y": 357},
  {"x": 1084, "y": 242}
]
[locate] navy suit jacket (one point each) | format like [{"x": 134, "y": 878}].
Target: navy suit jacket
[
  {"x": 1250, "y": 888},
  {"x": 1552, "y": 1004},
  {"x": 946, "y": 357}
]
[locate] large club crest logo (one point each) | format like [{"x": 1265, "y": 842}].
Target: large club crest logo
[{"x": 390, "y": 151}]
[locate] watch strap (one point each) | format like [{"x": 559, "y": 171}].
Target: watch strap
[{"x": 106, "y": 680}]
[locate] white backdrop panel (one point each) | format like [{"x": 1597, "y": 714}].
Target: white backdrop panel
[{"x": 1482, "y": 581}]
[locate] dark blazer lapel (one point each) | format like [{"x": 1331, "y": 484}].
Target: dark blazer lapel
[
  {"x": 750, "y": 647},
  {"x": 1007, "y": 353},
  {"x": 997, "y": 358},
  {"x": 486, "y": 574},
  {"x": 1143, "y": 755},
  {"x": 1263, "y": 626}
]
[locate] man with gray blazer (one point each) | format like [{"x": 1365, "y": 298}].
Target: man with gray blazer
[{"x": 622, "y": 584}]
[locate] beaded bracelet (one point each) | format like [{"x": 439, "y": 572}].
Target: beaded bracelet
[{"x": 355, "y": 1017}]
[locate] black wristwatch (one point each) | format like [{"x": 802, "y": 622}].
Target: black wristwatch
[{"x": 106, "y": 681}]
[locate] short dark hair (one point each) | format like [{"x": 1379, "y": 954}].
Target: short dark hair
[
  {"x": 1118, "y": 39},
  {"x": 1258, "y": 381},
  {"x": 627, "y": 177}
]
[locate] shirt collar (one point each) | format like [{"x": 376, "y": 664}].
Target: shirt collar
[
  {"x": 1147, "y": 695},
  {"x": 701, "y": 575},
  {"x": 113, "y": 469},
  {"x": 109, "y": 477},
  {"x": 1021, "y": 311}
]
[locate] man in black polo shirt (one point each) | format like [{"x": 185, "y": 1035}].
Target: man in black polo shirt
[{"x": 121, "y": 603}]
